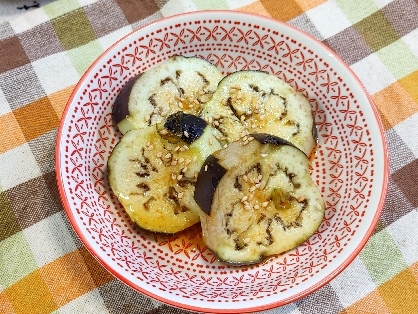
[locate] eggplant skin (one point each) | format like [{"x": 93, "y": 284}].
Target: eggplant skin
[
  {"x": 187, "y": 127},
  {"x": 120, "y": 108},
  {"x": 265, "y": 202},
  {"x": 208, "y": 179}
]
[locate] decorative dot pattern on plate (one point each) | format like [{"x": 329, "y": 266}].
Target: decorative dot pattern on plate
[{"x": 349, "y": 165}]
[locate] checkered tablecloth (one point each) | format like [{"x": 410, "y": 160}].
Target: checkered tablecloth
[{"x": 44, "y": 268}]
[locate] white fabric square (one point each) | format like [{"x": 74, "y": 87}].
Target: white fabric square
[
  {"x": 55, "y": 72},
  {"x": 407, "y": 131},
  {"x": 28, "y": 20},
  {"x": 89, "y": 303},
  {"x": 110, "y": 39},
  {"x": 411, "y": 40},
  {"x": 235, "y": 4},
  {"x": 328, "y": 19},
  {"x": 173, "y": 7},
  {"x": 18, "y": 165},
  {"x": 4, "y": 106},
  {"x": 401, "y": 231},
  {"x": 346, "y": 285},
  {"x": 49, "y": 239},
  {"x": 373, "y": 73}
]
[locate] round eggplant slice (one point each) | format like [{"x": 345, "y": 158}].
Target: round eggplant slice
[
  {"x": 257, "y": 199},
  {"x": 256, "y": 102},
  {"x": 154, "y": 178},
  {"x": 178, "y": 84}
]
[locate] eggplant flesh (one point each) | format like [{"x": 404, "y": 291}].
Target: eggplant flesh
[
  {"x": 265, "y": 203},
  {"x": 178, "y": 84},
  {"x": 257, "y": 102},
  {"x": 154, "y": 178}
]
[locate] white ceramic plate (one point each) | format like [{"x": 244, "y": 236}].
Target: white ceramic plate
[{"x": 350, "y": 165}]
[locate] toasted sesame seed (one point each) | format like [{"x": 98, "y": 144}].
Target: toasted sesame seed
[
  {"x": 256, "y": 111},
  {"x": 247, "y": 206},
  {"x": 256, "y": 207},
  {"x": 147, "y": 117},
  {"x": 252, "y": 189},
  {"x": 179, "y": 177},
  {"x": 180, "y": 105},
  {"x": 247, "y": 240},
  {"x": 151, "y": 147},
  {"x": 164, "y": 131},
  {"x": 244, "y": 198},
  {"x": 174, "y": 162},
  {"x": 301, "y": 199},
  {"x": 226, "y": 145},
  {"x": 245, "y": 178},
  {"x": 215, "y": 123},
  {"x": 180, "y": 195},
  {"x": 167, "y": 156},
  {"x": 210, "y": 119},
  {"x": 186, "y": 134},
  {"x": 216, "y": 117},
  {"x": 260, "y": 176},
  {"x": 210, "y": 141},
  {"x": 173, "y": 176},
  {"x": 184, "y": 169},
  {"x": 185, "y": 147},
  {"x": 177, "y": 148},
  {"x": 242, "y": 118},
  {"x": 148, "y": 143},
  {"x": 264, "y": 204},
  {"x": 181, "y": 160},
  {"x": 196, "y": 174},
  {"x": 159, "y": 154}
]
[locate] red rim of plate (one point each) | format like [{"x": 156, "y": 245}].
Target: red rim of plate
[{"x": 304, "y": 293}]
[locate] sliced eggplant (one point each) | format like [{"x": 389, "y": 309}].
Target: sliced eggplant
[
  {"x": 178, "y": 84},
  {"x": 256, "y": 102},
  {"x": 257, "y": 199},
  {"x": 154, "y": 178}
]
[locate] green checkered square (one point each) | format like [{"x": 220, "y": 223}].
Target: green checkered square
[
  {"x": 16, "y": 260},
  {"x": 377, "y": 31},
  {"x": 382, "y": 257},
  {"x": 81, "y": 30},
  {"x": 57, "y": 8},
  {"x": 82, "y": 57},
  {"x": 211, "y": 4},
  {"x": 399, "y": 59},
  {"x": 357, "y": 10}
]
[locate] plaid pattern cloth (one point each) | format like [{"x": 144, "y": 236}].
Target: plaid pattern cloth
[{"x": 44, "y": 268}]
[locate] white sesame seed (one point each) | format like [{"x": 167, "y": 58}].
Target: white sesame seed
[
  {"x": 256, "y": 207},
  {"x": 177, "y": 148},
  {"x": 242, "y": 118},
  {"x": 262, "y": 117},
  {"x": 206, "y": 167},
  {"x": 174, "y": 162},
  {"x": 252, "y": 189},
  {"x": 210, "y": 119},
  {"x": 210, "y": 141},
  {"x": 185, "y": 147},
  {"x": 264, "y": 204},
  {"x": 249, "y": 112},
  {"x": 184, "y": 169},
  {"x": 167, "y": 156},
  {"x": 247, "y": 240},
  {"x": 194, "y": 158},
  {"x": 173, "y": 176},
  {"x": 180, "y": 195},
  {"x": 301, "y": 199},
  {"x": 151, "y": 147},
  {"x": 180, "y": 105},
  {"x": 179, "y": 177},
  {"x": 226, "y": 145},
  {"x": 216, "y": 117},
  {"x": 244, "y": 198},
  {"x": 164, "y": 131},
  {"x": 215, "y": 123},
  {"x": 181, "y": 160},
  {"x": 264, "y": 155},
  {"x": 245, "y": 178},
  {"x": 159, "y": 154},
  {"x": 187, "y": 161},
  {"x": 147, "y": 117},
  {"x": 186, "y": 134},
  {"x": 148, "y": 143}
]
